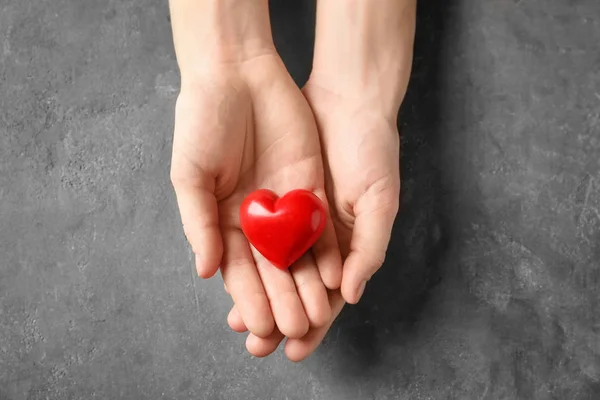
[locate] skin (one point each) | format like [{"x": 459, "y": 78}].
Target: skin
[
  {"x": 230, "y": 139},
  {"x": 361, "y": 67}
]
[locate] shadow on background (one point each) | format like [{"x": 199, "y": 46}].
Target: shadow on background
[
  {"x": 293, "y": 25},
  {"x": 397, "y": 294}
]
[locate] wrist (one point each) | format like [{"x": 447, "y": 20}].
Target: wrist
[
  {"x": 364, "y": 49},
  {"x": 214, "y": 34}
]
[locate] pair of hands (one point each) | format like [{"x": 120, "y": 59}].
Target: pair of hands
[{"x": 243, "y": 125}]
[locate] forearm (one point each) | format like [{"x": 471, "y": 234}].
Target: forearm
[
  {"x": 213, "y": 33},
  {"x": 364, "y": 48}
]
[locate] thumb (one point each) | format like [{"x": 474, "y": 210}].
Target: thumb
[
  {"x": 374, "y": 218},
  {"x": 200, "y": 219}
]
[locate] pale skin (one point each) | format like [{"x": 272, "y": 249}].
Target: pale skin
[{"x": 242, "y": 124}]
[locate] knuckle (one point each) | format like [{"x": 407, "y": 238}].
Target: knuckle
[
  {"x": 385, "y": 192},
  {"x": 284, "y": 294},
  {"x": 387, "y": 205},
  {"x": 190, "y": 237},
  {"x": 175, "y": 180},
  {"x": 393, "y": 205},
  {"x": 376, "y": 261},
  {"x": 178, "y": 180},
  {"x": 372, "y": 261},
  {"x": 295, "y": 330},
  {"x": 320, "y": 317},
  {"x": 305, "y": 284}
]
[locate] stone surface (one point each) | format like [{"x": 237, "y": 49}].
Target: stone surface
[{"x": 491, "y": 287}]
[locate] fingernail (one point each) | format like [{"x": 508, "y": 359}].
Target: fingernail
[{"x": 361, "y": 290}]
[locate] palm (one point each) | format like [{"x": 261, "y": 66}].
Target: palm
[
  {"x": 362, "y": 182},
  {"x": 254, "y": 130},
  {"x": 372, "y": 171}
]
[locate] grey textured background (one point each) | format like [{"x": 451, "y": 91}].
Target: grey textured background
[{"x": 491, "y": 288}]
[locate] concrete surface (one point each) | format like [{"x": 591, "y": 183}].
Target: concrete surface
[{"x": 491, "y": 289}]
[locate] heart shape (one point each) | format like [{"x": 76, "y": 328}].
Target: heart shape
[{"x": 282, "y": 229}]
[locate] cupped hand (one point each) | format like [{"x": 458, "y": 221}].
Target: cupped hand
[
  {"x": 361, "y": 147},
  {"x": 361, "y": 151},
  {"x": 245, "y": 127}
]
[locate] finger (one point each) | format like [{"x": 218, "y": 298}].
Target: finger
[
  {"x": 370, "y": 239},
  {"x": 200, "y": 218},
  {"x": 244, "y": 284},
  {"x": 327, "y": 252},
  {"x": 285, "y": 303},
  {"x": 235, "y": 321},
  {"x": 298, "y": 349},
  {"x": 311, "y": 290},
  {"x": 262, "y": 347}
]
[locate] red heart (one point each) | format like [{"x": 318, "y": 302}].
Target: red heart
[{"x": 282, "y": 229}]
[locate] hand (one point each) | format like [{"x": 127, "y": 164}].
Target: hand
[
  {"x": 242, "y": 124},
  {"x": 355, "y": 103},
  {"x": 361, "y": 146},
  {"x": 243, "y": 129}
]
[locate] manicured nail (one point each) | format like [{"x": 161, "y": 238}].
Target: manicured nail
[{"x": 361, "y": 290}]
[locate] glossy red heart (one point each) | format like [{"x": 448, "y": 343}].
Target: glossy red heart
[{"x": 282, "y": 229}]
